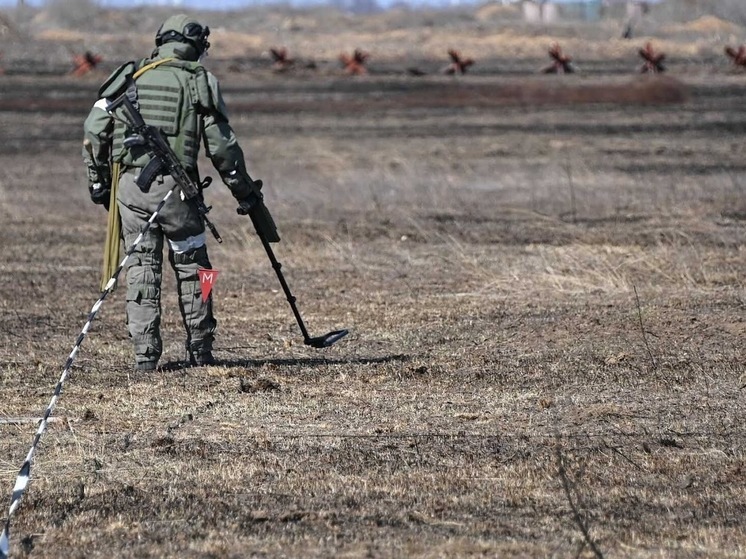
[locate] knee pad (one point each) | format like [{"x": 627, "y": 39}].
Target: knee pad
[{"x": 144, "y": 276}]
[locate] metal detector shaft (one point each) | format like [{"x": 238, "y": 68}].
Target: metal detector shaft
[{"x": 318, "y": 341}]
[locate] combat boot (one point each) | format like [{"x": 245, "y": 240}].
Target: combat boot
[{"x": 201, "y": 359}]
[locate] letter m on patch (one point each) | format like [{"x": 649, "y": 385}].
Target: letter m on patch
[{"x": 206, "y": 281}]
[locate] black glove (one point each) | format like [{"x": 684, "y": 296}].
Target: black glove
[
  {"x": 245, "y": 204},
  {"x": 99, "y": 194}
]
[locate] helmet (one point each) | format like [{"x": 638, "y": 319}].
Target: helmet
[{"x": 183, "y": 29}]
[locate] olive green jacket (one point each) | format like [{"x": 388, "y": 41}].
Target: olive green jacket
[{"x": 183, "y": 99}]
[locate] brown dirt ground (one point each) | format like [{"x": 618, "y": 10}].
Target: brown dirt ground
[{"x": 543, "y": 279}]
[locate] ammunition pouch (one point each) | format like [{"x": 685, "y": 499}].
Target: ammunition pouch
[{"x": 153, "y": 169}]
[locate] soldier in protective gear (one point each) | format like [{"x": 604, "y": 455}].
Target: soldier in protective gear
[{"x": 179, "y": 96}]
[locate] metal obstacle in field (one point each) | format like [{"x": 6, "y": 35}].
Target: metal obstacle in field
[
  {"x": 737, "y": 56},
  {"x": 85, "y": 63},
  {"x": 354, "y": 64},
  {"x": 280, "y": 59},
  {"x": 561, "y": 63},
  {"x": 458, "y": 64},
  {"x": 653, "y": 60}
]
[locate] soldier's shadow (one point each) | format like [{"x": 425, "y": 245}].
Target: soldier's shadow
[{"x": 303, "y": 362}]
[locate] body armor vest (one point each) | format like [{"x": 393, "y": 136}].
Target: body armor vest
[{"x": 168, "y": 96}]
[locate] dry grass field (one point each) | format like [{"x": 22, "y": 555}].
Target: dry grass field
[{"x": 543, "y": 277}]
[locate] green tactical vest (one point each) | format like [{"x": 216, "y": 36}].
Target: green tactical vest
[{"x": 169, "y": 95}]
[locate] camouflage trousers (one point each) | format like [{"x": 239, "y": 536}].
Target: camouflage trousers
[{"x": 180, "y": 225}]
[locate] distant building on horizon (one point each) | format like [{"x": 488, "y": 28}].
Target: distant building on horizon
[{"x": 547, "y": 11}]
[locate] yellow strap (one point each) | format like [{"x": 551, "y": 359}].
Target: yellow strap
[
  {"x": 150, "y": 66},
  {"x": 113, "y": 232}
]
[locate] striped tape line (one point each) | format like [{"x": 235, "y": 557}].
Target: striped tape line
[{"x": 24, "y": 475}]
